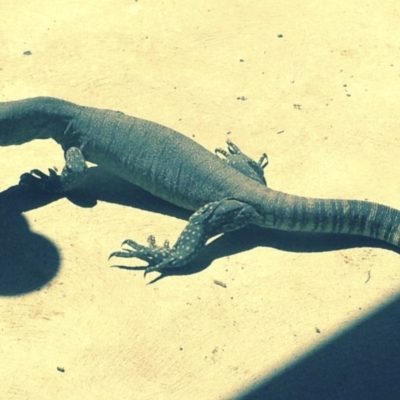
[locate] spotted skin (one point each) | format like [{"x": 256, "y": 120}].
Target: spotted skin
[{"x": 212, "y": 219}]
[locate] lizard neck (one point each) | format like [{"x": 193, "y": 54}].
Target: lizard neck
[{"x": 36, "y": 118}]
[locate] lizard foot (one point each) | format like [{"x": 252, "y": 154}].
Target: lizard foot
[
  {"x": 210, "y": 220},
  {"x": 244, "y": 164},
  {"x": 157, "y": 257},
  {"x": 39, "y": 180}
]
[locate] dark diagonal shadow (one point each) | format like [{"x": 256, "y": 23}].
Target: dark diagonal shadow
[{"x": 360, "y": 363}]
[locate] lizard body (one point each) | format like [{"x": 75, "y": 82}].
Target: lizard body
[{"x": 226, "y": 194}]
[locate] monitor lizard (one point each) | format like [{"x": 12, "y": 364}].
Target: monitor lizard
[{"x": 226, "y": 192}]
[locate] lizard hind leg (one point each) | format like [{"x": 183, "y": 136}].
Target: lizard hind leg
[
  {"x": 244, "y": 164},
  {"x": 212, "y": 219}
]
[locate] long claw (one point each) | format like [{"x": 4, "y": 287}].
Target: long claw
[
  {"x": 148, "y": 270},
  {"x": 123, "y": 254},
  {"x": 129, "y": 242}
]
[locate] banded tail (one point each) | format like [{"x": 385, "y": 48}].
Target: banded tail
[{"x": 294, "y": 213}]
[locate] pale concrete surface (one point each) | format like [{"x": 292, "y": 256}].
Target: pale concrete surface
[{"x": 322, "y": 100}]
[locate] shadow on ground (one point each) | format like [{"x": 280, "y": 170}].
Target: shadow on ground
[
  {"x": 251, "y": 237},
  {"x": 362, "y": 362},
  {"x": 28, "y": 260}
]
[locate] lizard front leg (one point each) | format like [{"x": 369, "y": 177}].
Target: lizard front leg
[
  {"x": 212, "y": 219},
  {"x": 71, "y": 176}
]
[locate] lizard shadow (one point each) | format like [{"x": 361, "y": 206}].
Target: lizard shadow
[
  {"x": 102, "y": 185},
  {"x": 27, "y": 260},
  {"x": 105, "y": 186},
  {"x": 252, "y": 237}
]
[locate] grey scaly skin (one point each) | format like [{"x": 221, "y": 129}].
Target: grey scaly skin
[{"x": 225, "y": 194}]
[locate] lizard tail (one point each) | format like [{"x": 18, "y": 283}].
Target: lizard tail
[{"x": 293, "y": 213}]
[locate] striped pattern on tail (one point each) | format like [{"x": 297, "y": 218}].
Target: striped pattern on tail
[{"x": 293, "y": 213}]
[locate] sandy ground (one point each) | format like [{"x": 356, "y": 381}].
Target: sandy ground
[{"x": 314, "y": 84}]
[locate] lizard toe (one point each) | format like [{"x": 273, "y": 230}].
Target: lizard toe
[
  {"x": 170, "y": 262},
  {"x": 152, "y": 254}
]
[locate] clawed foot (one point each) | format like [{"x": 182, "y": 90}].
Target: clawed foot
[
  {"x": 39, "y": 180},
  {"x": 244, "y": 164},
  {"x": 234, "y": 150},
  {"x": 157, "y": 257},
  {"x": 208, "y": 221}
]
